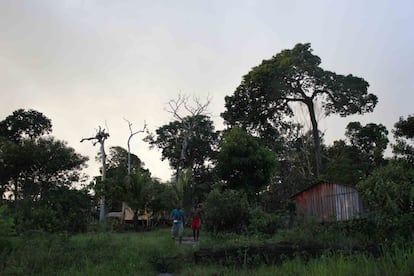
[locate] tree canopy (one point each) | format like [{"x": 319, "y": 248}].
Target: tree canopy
[
  {"x": 370, "y": 140},
  {"x": 404, "y": 135},
  {"x": 30, "y": 124},
  {"x": 201, "y": 142},
  {"x": 266, "y": 93},
  {"x": 40, "y": 172}
]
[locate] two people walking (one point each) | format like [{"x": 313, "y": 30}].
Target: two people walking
[{"x": 177, "y": 216}]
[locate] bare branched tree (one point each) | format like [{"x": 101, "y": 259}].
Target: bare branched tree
[
  {"x": 182, "y": 109},
  {"x": 132, "y": 133},
  {"x": 100, "y": 138},
  {"x": 175, "y": 107}
]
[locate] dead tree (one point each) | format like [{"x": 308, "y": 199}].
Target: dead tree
[
  {"x": 100, "y": 138},
  {"x": 132, "y": 133},
  {"x": 178, "y": 108}
]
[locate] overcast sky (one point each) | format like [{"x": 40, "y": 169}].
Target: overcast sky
[{"x": 82, "y": 63}]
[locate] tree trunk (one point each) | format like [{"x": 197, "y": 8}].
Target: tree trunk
[
  {"x": 102, "y": 201},
  {"x": 316, "y": 138}
]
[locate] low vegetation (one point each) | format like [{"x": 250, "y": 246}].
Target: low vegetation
[{"x": 149, "y": 253}]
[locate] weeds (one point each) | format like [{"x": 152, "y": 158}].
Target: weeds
[{"x": 154, "y": 252}]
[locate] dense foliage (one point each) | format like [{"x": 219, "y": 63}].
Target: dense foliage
[
  {"x": 354, "y": 161},
  {"x": 226, "y": 211},
  {"x": 389, "y": 193},
  {"x": 244, "y": 164},
  {"x": 263, "y": 99},
  {"x": 404, "y": 135},
  {"x": 190, "y": 153},
  {"x": 38, "y": 172}
]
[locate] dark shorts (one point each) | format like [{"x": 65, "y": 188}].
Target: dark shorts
[{"x": 196, "y": 223}]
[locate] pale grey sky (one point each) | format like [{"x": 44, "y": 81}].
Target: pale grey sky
[{"x": 82, "y": 63}]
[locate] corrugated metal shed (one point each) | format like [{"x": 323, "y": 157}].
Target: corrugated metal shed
[{"x": 326, "y": 201}]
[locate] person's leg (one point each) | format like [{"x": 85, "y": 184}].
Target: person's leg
[
  {"x": 198, "y": 233},
  {"x": 180, "y": 232},
  {"x": 172, "y": 231},
  {"x": 176, "y": 231}
]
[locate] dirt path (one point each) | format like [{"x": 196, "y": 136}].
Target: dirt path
[{"x": 189, "y": 241}]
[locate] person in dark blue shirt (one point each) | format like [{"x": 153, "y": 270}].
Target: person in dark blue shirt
[{"x": 177, "y": 216}]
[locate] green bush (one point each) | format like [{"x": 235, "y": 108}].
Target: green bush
[
  {"x": 6, "y": 230},
  {"x": 261, "y": 222},
  {"x": 62, "y": 210},
  {"x": 6, "y": 222},
  {"x": 226, "y": 212},
  {"x": 389, "y": 195},
  {"x": 329, "y": 234}
]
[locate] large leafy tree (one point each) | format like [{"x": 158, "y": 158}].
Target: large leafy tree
[
  {"x": 404, "y": 135},
  {"x": 370, "y": 140},
  {"x": 25, "y": 124},
  {"x": 196, "y": 153},
  {"x": 266, "y": 93},
  {"x": 244, "y": 164},
  {"x": 345, "y": 164},
  {"x": 36, "y": 168},
  {"x": 200, "y": 146},
  {"x": 31, "y": 163},
  {"x": 348, "y": 163},
  {"x": 114, "y": 188}
]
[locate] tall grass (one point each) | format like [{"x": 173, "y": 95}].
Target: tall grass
[
  {"x": 400, "y": 262},
  {"x": 94, "y": 254},
  {"x": 154, "y": 252}
]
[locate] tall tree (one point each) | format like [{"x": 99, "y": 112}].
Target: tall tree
[
  {"x": 25, "y": 124},
  {"x": 188, "y": 143},
  {"x": 21, "y": 124},
  {"x": 266, "y": 93},
  {"x": 352, "y": 160},
  {"x": 35, "y": 168},
  {"x": 404, "y": 135},
  {"x": 188, "y": 123},
  {"x": 370, "y": 140}
]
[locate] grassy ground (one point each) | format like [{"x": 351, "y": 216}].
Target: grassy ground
[{"x": 150, "y": 253}]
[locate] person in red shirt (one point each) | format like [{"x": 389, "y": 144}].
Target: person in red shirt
[{"x": 196, "y": 214}]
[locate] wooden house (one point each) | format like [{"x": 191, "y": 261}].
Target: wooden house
[
  {"x": 127, "y": 215},
  {"x": 326, "y": 201}
]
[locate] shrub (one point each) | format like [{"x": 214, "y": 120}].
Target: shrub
[
  {"x": 261, "y": 222},
  {"x": 62, "y": 210},
  {"x": 226, "y": 212},
  {"x": 389, "y": 194},
  {"x": 6, "y": 222},
  {"x": 6, "y": 230}
]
